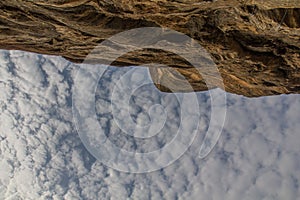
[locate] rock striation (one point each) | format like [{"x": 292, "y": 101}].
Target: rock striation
[{"x": 254, "y": 43}]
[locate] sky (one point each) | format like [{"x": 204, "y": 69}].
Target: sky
[{"x": 44, "y": 155}]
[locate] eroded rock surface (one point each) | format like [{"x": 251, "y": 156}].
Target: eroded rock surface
[{"x": 254, "y": 43}]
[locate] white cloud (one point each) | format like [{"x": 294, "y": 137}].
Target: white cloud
[{"x": 42, "y": 156}]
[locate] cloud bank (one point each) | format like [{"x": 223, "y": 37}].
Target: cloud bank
[{"x": 42, "y": 156}]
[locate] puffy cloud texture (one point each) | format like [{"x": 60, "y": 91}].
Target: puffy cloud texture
[{"x": 42, "y": 156}]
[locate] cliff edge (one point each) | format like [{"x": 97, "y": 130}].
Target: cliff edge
[{"x": 254, "y": 43}]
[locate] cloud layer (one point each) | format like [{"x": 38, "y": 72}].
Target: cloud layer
[{"x": 42, "y": 156}]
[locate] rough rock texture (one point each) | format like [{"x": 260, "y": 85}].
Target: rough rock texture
[{"x": 255, "y": 43}]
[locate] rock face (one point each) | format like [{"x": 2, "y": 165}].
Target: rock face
[{"x": 254, "y": 43}]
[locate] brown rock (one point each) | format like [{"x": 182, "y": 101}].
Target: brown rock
[{"x": 255, "y": 43}]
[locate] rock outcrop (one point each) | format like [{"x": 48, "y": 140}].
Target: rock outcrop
[{"x": 254, "y": 43}]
